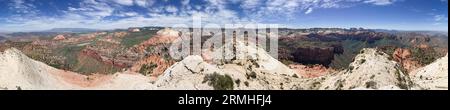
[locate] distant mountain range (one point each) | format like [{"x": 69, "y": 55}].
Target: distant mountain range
[
  {"x": 444, "y": 33},
  {"x": 71, "y": 30}
]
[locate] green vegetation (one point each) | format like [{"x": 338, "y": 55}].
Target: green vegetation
[
  {"x": 362, "y": 61},
  {"x": 82, "y": 64},
  {"x": 70, "y": 52},
  {"x": 401, "y": 79},
  {"x": 88, "y": 65},
  {"x": 135, "y": 38},
  {"x": 238, "y": 82},
  {"x": 424, "y": 56},
  {"x": 371, "y": 84},
  {"x": 219, "y": 82},
  {"x": 147, "y": 69},
  {"x": 351, "y": 49}
]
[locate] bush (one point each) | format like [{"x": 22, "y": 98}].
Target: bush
[
  {"x": 147, "y": 69},
  {"x": 362, "y": 61},
  {"x": 219, "y": 82},
  {"x": 251, "y": 75},
  {"x": 424, "y": 56},
  {"x": 246, "y": 83}
]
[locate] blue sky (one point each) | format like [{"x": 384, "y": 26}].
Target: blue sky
[{"x": 35, "y": 15}]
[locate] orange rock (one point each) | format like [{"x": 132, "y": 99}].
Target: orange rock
[
  {"x": 59, "y": 37},
  {"x": 311, "y": 71},
  {"x": 403, "y": 56},
  {"x": 162, "y": 65},
  {"x": 120, "y": 34},
  {"x": 423, "y": 46}
]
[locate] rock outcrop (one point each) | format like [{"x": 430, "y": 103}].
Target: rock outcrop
[
  {"x": 257, "y": 71},
  {"x": 403, "y": 56},
  {"x": 371, "y": 69},
  {"x": 433, "y": 76},
  {"x": 59, "y": 37},
  {"x": 311, "y": 71}
]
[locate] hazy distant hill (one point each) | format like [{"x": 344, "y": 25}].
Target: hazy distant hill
[
  {"x": 2, "y": 38},
  {"x": 431, "y": 33},
  {"x": 72, "y": 30}
]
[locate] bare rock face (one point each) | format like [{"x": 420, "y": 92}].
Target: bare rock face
[
  {"x": 433, "y": 76},
  {"x": 371, "y": 70},
  {"x": 311, "y": 71},
  {"x": 17, "y": 71},
  {"x": 59, "y": 37},
  {"x": 120, "y": 34},
  {"x": 167, "y": 32}
]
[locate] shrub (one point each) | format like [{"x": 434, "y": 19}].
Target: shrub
[
  {"x": 219, "y": 82},
  {"x": 424, "y": 56},
  {"x": 362, "y": 61},
  {"x": 147, "y": 68},
  {"x": 251, "y": 75},
  {"x": 238, "y": 82},
  {"x": 246, "y": 83}
]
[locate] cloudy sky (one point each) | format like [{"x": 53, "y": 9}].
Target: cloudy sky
[{"x": 35, "y": 15}]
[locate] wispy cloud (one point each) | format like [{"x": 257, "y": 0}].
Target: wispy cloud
[
  {"x": 125, "y": 2},
  {"x": 440, "y": 18},
  {"x": 21, "y": 7},
  {"x": 309, "y": 11},
  {"x": 380, "y": 2},
  {"x": 171, "y": 9}
]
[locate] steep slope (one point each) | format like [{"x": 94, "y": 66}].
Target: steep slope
[
  {"x": 433, "y": 76},
  {"x": 371, "y": 69},
  {"x": 17, "y": 71},
  {"x": 20, "y": 72}
]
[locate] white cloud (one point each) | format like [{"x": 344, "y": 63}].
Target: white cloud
[
  {"x": 251, "y": 4},
  {"x": 19, "y": 6},
  {"x": 290, "y": 8},
  {"x": 171, "y": 9},
  {"x": 440, "y": 18},
  {"x": 185, "y": 2},
  {"x": 380, "y": 2},
  {"x": 309, "y": 11},
  {"x": 124, "y": 2},
  {"x": 144, "y": 3},
  {"x": 93, "y": 9},
  {"x": 128, "y": 14}
]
